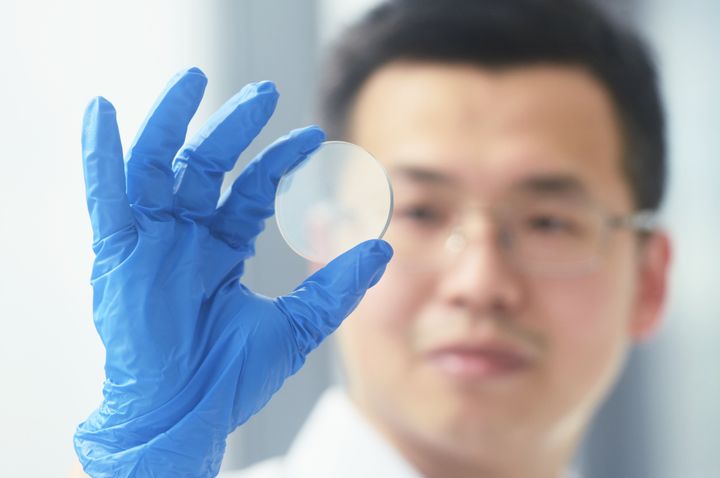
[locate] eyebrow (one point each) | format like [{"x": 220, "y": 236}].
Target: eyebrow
[
  {"x": 423, "y": 175},
  {"x": 544, "y": 184},
  {"x": 552, "y": 185}
]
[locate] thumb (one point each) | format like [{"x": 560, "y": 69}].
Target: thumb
[{"x": 318, "y": 306}]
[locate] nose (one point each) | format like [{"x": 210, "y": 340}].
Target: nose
[{"x": 478, "y": 275}]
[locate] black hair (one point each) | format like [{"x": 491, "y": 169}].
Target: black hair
[{"x": 508, "y": 33}]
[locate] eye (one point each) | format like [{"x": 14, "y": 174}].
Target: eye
[
  {"x": 548, "y": 224},
  {"x": 422, "y": 214}
]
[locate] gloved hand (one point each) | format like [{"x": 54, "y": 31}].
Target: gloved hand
[{"x": 190, "y": 352}]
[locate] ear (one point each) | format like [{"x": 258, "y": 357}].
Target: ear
[{"x": 653, "y": 264}]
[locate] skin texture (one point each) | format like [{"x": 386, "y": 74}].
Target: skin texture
[{"x": 486, "y": 131}]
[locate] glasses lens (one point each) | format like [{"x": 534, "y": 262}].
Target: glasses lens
[
  {"x": 540, "y": 236},
  {"x": 554, "y": 236}
]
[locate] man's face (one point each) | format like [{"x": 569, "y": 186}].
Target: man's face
[{"x": 469, "y": 349}]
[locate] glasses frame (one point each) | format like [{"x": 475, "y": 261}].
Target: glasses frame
[{"x": 644, "y": 222}]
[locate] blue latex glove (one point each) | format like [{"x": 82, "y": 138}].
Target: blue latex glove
[{"x": 190, "y": 352}]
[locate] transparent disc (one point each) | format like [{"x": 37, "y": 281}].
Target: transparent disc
[{"x": 337, "y": 198}]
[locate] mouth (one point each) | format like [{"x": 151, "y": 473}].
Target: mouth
[{"x": 479, "y": 361}]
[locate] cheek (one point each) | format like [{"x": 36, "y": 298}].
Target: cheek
[
  {"x": 589, "y": 309},
  {"x": 576, "y": 311},
  {"x": 585, "y": 322}
]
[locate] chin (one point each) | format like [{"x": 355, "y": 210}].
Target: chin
[{"x": 477, "y": 412}]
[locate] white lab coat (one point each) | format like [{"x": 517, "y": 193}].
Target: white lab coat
[{"x": 336, "y": 441}]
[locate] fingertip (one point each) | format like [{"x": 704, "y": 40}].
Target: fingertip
[
  {"x": 194, "y": 70},
  {"x": 378, "y": 247},
  {"x": 312, "y": 135},
  {"x": 193, "y": 73},
  {"x": 98, "y": 105},
  {"x": 385, "y": 248},
  {"x": 371, "y": 257},
  {"x": 376, "y": 254},
  {"x": 266, "y": 87},
  {"x": 98, "y": 122},
  {"x": 313, "y": 129},
  {"x": 303, "y": 142},
  {"x": 189, "y": 77},
  {"x": 262, "y": 94},
  {"x": 321, "y": 135},
  {"x": 266, "y": 91},
  {"x": 199, "y": 78},
  {"x": 100, "y": 101}
]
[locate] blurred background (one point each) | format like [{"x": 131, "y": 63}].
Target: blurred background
[{"x": 663, "y": 420}]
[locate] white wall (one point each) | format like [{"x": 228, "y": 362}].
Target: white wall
[
  {"x": 686, "y": 380},
  {"x": 55, "y": 57},
  {"x": 334, "y": 16}
]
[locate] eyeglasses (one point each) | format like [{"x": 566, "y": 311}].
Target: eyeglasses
[{"x": 539, "y": 236}]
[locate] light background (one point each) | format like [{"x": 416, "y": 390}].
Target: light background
[{"x": 662, "y": 421}]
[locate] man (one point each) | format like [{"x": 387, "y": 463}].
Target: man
[{"x": 524, "y": 140}]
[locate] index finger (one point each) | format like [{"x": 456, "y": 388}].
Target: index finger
[{"x": 250, "y": 201}]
